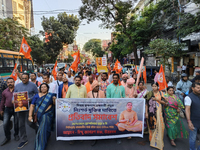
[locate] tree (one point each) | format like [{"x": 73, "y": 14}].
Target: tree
[
  {"x": 165, "y": 49},
  {"x": 111, "y": 13},
  {"x": 59, "y": 31},
  {"x": 11, "y": 34},
  {"x": 70, "y": 59},
  {"x": 38, "y": 54},
  {"x": 94, "y": 46},
  {"x": 141, "y": 28}
]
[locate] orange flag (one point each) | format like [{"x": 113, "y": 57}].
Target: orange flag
[
  {"x": 117, "y": 67},
  {"x": 25, "y": 49},
  {"x": 54, "y": 72},
  {"x": 145, "y": 74},
  {"x": 21, "y": 68},
  {"x": 136, "y": 69},
  {"x": 14, "y": 75},
  {"x": 161, "y": 79},
  {"x": 77, "y": 58},
  {"x": 88, "y": 61}
]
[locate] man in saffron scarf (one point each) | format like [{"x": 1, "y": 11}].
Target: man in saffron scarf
[
  {"x": 129, "y": 89},
  {"x": 89, "y": 83},
  {"x": 104, "y": 82},
  {"x": 63, "y": 88},
  {"x": 124, "y": 80},
  {"x": 128, "y": 120},
  {"x": 95, "y": 92}
]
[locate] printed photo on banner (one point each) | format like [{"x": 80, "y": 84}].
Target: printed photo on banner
[
  {"x": 87, "y": 119},
  {"x": 21, "y": 102},
  {"x": 101, "y": 64}
]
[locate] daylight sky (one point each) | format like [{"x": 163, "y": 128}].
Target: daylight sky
[{"x": 85, "y": 32}]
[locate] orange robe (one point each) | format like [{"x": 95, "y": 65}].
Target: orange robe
[
  {"x": 20, "y": 109},
  {"x": 88, "y": 87},
  {"x": 100, "y": 95},
  {"x": 131, "y": 117},
  {"x": 64, "y": 90}
]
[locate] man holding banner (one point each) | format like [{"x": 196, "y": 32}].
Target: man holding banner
[{"x": 115, "y": 90}]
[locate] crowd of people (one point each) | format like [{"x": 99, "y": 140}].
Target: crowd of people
[{"x": 161, "y": 111}]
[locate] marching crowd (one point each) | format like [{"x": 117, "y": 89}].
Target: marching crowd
[{"x": 162, "y": 108}]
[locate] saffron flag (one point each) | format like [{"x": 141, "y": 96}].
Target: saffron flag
[
  {"x": 144, "y": 74},
  {"x": 54, "y": 72},
  {"x": 88, "y": 61},
  {"x": 161, "y": 79},
  {"x": 14, "y": 74},
  {"x": 21, "y": 68},
  {"x": 25, "y": 49},
  {"x": 77, "y": 58},
  {"x": 117, "y": 67}
]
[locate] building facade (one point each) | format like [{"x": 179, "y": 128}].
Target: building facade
[{"x": 22, "y": 10}]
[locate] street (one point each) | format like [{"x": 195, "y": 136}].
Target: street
[{"x": 134, "y": 143}]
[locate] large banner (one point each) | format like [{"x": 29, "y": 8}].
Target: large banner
[{"x": 89, "y": 119}]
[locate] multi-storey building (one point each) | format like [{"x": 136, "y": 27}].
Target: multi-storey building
[{"x": 22, "y": 10}]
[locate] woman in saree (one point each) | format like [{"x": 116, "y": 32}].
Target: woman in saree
[
  {"x": 141, "y": 91},
  {"x": 174, "y": 125},
  {"x": 43, "y": 103},
  {"x": 153, "y": 113}
]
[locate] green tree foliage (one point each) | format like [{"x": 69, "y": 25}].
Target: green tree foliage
[
  {"x": 110, "y": 13},
  {"x": 61, "y": 30},
  {"x": 94, "y": 46},
  {"x": 11, "y": 34},
  {"x": 165, "y": 49},
  {"x": 141, "y": 30},
  {"x": 70, "y": 59},
  {"x": 38, "y": 54}
]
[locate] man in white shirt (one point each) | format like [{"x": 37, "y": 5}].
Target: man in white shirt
[
  {"x": 39, "y": 77},
  {"x": 52, "y": 86},
  {"x": 18, "y": 78},
  {"x": 192, "y": 105},
  {"x": 184, "y": 68},
  {"x": 70, "y": 77}
]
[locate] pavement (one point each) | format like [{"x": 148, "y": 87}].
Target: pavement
[{"x": 111, "y": 144}]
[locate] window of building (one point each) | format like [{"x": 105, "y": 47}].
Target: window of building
[
  {"x": 14, "y": 7},
  {"x": 9, "y": 62},
  {"x": 21, "y": 6}
]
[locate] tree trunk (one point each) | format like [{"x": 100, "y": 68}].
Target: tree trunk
[{"x": 135, "y": 54}]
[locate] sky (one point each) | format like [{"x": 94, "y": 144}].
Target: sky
[{"x": 85, "y": 31}]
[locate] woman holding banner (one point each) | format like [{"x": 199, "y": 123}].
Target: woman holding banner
[
  {"x": 174, "y": 125},
  {"x": 154, "y": 101},
  {"x": 43, "y": 103}
]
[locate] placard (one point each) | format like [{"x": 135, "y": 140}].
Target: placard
[{"x": 21, "y": 102}]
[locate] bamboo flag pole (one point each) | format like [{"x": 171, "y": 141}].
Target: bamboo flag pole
[{"x": 139, "y": 73}]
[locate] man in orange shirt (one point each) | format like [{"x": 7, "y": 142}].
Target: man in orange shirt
[
  {"x": 89, "y": 83},
  {"x": 63, "y": 88}
]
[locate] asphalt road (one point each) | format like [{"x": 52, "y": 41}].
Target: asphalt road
[{"x": 134, "y": 143}]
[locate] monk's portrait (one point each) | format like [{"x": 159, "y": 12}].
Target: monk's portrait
[
  {"x": 20, "y": 107},
  {"x": 99, "y": 61},
  {"x": 128, "y": 120}
]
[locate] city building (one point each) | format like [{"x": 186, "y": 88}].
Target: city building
[
  {"x": 3, "y": 10},
  {"x": 22, "y": 10}
]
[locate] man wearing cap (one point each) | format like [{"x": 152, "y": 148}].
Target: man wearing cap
[
  {"x": 197, "y": 74},
  {"x": 124, "y": 79},
  {"x": 183, "y": 86},
  {"x": 129, "y": 89}
]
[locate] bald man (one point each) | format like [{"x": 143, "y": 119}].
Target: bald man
[{"x": 128, "y": 120}]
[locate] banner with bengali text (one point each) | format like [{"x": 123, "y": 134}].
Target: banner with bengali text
[{"x": 91, "y": 119}]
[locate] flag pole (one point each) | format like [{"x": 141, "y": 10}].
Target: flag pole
[{"x": 139, "y": 73}]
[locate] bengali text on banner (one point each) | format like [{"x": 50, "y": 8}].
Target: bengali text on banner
[{"x": 89, "y": 119}]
